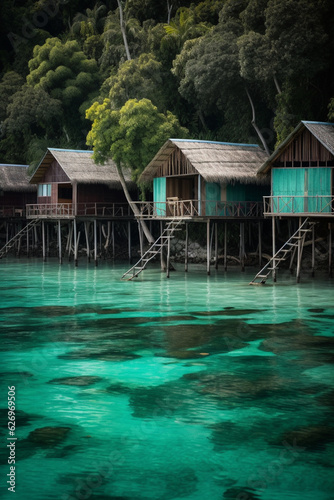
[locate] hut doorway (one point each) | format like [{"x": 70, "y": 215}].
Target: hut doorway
[
  {"x": 184, "y": 191},
  {"x": 65, "y": 193}
]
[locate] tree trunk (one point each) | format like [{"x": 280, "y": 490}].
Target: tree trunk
[
  {"x": 258, "y": 131},
  {"x": 169, "y": 11},
  {"x": 122, "y": 23},
  {"x": 134, "y": 207}
]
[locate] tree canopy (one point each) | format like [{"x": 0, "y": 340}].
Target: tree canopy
[{"x": 228, "y": 70}]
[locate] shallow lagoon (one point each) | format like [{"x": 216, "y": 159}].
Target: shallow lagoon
[{"x": 193, "y": 388}]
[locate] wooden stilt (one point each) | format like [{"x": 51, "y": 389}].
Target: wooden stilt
[
  {"x": 260, "y": 243},
  {"x": 216, "y": 245},
  {"x": 59, "y": 242},
  {"x": 86, "y": 224},
  {"x": 140, "y": 232},
  {"x": 273, "y": 227},
  {"x": 299, "y": 254},
  {"x": 43, "y": 241},
  {"x": 186, "y": 250},
  {"x": 313, "y": 251},
  {"x": 75, "y": 241},
  {"x": 168, "y": 258},
  {"x": 113, "y": 238},
  {"x": 47, "y": 240},
  {"x": 100, "y": 236},
  {"x": 129, "y": 242},
  {"x": 225, "y": 247},
  {"x": 242, "y": 246},
  {"x": 69, "y": 240},
  {"x": 162, "y": 263},
  {"x": 330, "y": 271},
  {"x": 28, "y": 243},
  {"x": 95, "y": 242},
  {"x": 208, "y": 247}
]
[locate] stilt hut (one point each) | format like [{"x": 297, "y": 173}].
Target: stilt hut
[
  {"x": 302, "y": 172},
  {"x": 193, "y": 178},
  {"x": 70, "y": 184},
  {"x": 15, "y": 190}
]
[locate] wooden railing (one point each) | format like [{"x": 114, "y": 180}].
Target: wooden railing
[
  {"x": 174, "y": 207},
  {"x": 319, "y": 205},
  {"x": 68, "y": 210}
]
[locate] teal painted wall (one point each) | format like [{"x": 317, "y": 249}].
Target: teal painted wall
[
  {"x": 159, "y": 195},
  {"x": 301, "y": 183},
  {"x": 212, "y": 195}
]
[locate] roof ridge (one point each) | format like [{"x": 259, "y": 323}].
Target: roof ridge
[
  {"x": 216, "y": 142},
  {"x": 72, "y": 150}
]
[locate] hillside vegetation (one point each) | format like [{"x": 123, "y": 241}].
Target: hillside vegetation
[{"x": 130, "y": 74}]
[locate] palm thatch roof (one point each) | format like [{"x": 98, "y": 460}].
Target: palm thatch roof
[
  {"x": 80, "y": 167},
  {"x": 322, "y": 131},
  {"x": 15, "y": 178},
  {"x": 215, "y": 161}
]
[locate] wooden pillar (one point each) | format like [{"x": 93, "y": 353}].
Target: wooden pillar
[
  {"x": 313, "y": 250},
  {"x": 216, "y": 245},
  {"x": 129, "y": 241},
  {"x": 299, "y": 254},
  {"x": 186, "y": 250},
  {"x": 113, "y": 238},
  {"x": 208, "y": 247},
  {"x": 47, "y": 240},
  {"x": 161, "y": 251},
  {"x": 28, "y": 246},
  {"x": 330, "y": 272},
  {"x": 140, "y": 232},
  {"x": 168, "y": 257},
  {"x": 75, "y": 241},
  {"x": 225, "y": 247},
  {"x": 260, "y": 243},
  {"x": 95, "y": 242},
  {"x": 43, "y": 241},
  {"x": 59, "y": 242},
  {"x": 242, "y": 245},
  {"x": 75, "y": 197},
  {"x": 273, "y": 229},
  {"x": 86, "y": 224}
]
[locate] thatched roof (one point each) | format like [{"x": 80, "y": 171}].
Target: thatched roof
[
  {"x": 215, "y": 161},
  {"x": 323, "y": 131},
  {"x": 80, "y": 167},
  {"x": 15, "y": 178}
]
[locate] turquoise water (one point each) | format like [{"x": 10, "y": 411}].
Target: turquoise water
[{"x": 193, "y": 388}]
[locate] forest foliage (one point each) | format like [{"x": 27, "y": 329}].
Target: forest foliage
[{"x": 123, "y": 76}]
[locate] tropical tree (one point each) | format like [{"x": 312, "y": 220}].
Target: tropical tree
[{"x": 130, "y": 136}]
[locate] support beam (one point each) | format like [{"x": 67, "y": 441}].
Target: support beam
[
  {"x": 299, "y": 253},
  {"x": 242, "y": 246},
  {"x": 313, "y": 250},
  {"x": 260, "y": 243},
  {"x": 273, "y": 229},
  {"x": 86, "y": 224},
  {"x": 75, "y": 241},
  {"x": 59, "y": 242},
  {"x": 208, "y": 247},
  {"x": 186, "y": 249},
  {"x": 168, "y": 258},
  {"x": 225, "y": 247},
  {"x": 330, "y": 271},
  {"x": 95, "y": 242},
  {"x": 216, "y": 245},
  {"x": 113, "y": 238},
  {"x": 129, "y": 242},
  {"x": 43, "y": 241}
]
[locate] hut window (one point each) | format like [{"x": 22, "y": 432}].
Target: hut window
[{"x": 44, "y": 190}]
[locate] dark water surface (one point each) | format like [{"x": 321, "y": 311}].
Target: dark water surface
[{"x": 193, "y": 388}]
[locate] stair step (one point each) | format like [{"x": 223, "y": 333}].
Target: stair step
[{"x": 261, "y": 276}]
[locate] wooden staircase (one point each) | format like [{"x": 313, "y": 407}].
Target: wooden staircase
[
  {"x": 154, "y": 249},
  {"x": 10, "y": 244},
  {"x": 289, "y": 248}
]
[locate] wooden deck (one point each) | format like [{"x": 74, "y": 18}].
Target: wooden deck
[
  {"x": 299, "y": 206},
  {"x": 190, "y": 209},
  {"x": 9, "y": 212},
  {"x": 81, "y": 210}
]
